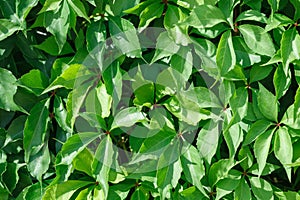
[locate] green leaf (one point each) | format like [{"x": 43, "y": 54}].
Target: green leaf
[
  {"x": 261, "y": 188},
  {"x": 207, "y": 140},
  {"x": 139, "y": 7},
  {"x": 35, "y": 81},
  {"x": 290, "y": 47},
  {"x": 83, "y": 162},
  {"x": 238, "y": 103},
  {"x": 65, "y": 190},
  {"x": 165, "y": 46},
  {"x": 291, "y": 118},
  {"x": 225, "y": 54},
  {"x": 35, "y": 130},
  {"x": 283, "y": 149},
  {"x": 57, "y": 22},
  {"x": 281, "y": 81},
  {"x": 205, "y": 16},
  {"x": 233, "y": 137},
  {"x": 219, "y": 170},
  {"x": 102, "y": 162},
  {"x": 79, "y": 8},
  {"x": 191, "y": 193},
  {"x": 95, "y": 34},
  {"x": 173, "y": 16},
  {"x": 256, "y": 130},
  {"x": 60, "y": 114},
  {"x": 38, "y": 163},
  {"x": 267, "y": 103},
  {"x": 150, "y": 13},
  {"x": 228, "y": 184},
  {"x": 67, "y": 79},
  {"x": 274, "y": 5},
  {"x": 127, "y": 117},
  {"x": 51, "y": 47},
  {"x": 139, "y": 194},
  {"x": 124, "y": 36},
  {"x": 10, "y": 177},
  {"x": 252, "y": 15},
  {"x": 258, "y": 72},
  {"x": 7, "y": 28},
  {"x": 168, "y": 169},
  {"x": 242, "y": 192},
  {"x": 257, "y": 39},
  {"x": 74, "y": 145},
  {"x": 261, "y": 149},
  {"x": 105, "y": 100},
  {"x": 8, "y": 90},
  {"x": 193, "y": 167}
]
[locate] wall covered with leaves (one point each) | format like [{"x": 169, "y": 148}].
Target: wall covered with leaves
[{"x": 149, "y": 99}]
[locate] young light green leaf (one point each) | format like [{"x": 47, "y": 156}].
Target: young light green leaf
[
  {"x": 35, "y": 81},
  {"x": 267, "y": 103},
  {"x": 257, "y": 39},
  {"x": 226, "y": 58},
  {"x": 66, "y": 79},
  {"x": 283, "y": 149},
  {"x": 261, "y": 149}
]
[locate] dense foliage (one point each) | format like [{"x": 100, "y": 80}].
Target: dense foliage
[{"x": 171, "y": 99}]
